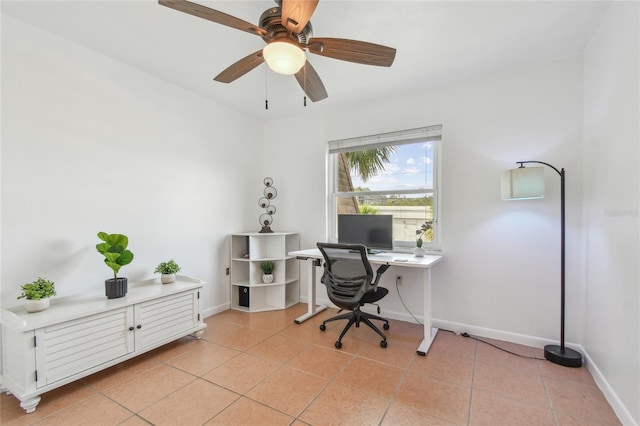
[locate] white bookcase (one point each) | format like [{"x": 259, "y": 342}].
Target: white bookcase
[{"x": 248, "y": 292}]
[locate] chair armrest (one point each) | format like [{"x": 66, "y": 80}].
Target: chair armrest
[{"x": 382, "y": 269}]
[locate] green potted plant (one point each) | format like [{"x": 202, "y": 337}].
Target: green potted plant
[
  {"x": 37, "y": 294},
  {"x": 168, "y": 271},
  {"x": 267, "y": 271},
  {"x": 114, "y": 249},
  {"x": 421, "y": 232}
]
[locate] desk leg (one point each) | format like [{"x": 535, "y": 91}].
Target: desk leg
[
  {"x": 311, "y": 295},
  {"x": 429, "y": 332}
]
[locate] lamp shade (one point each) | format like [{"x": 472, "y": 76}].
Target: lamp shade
[
  {"x": 523, "y": 183},
  {"x": 283, "y": 57}
]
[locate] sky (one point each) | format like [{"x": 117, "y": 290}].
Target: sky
[{"x": 411, "y": 166}]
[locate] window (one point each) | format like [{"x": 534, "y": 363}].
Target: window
[{"x": 391, "y": 173}]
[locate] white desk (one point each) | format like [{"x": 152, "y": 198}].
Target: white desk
[{"x": 394, "y": 259}]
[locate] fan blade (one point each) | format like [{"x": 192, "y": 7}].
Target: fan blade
[
  {"x": 310, "y": 82},
  {"x": 356, "y": 51},
  {"x": 212, "y": 15},
  {"x": 240, "y": 68},
  {"x": 296, "y": 13}
]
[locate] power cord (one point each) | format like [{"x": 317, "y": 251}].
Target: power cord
[
  {"x": 465, "y": 334},
  {"x": 495, "y": 346},
  {"x": 405, "y": 306}
]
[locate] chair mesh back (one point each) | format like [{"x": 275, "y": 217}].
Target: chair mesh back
[{"x": 347, "y": 273}]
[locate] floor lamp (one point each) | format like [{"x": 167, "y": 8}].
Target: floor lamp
[{"x": 526, "y": 183}]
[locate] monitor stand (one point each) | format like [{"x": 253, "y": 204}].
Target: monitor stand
[
  {"x": 369, "y": 251},
  {"x": 374, "y": 251}
]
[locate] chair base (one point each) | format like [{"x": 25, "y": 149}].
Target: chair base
[{"x": 356, "y": 316}]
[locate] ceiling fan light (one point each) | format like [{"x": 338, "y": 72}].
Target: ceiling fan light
[{"x": 283, "y": 57}]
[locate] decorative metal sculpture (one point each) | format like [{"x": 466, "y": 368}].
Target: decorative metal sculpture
[{"x": 266, "y": 219}]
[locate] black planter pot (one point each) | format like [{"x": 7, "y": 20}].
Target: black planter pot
[{"x": 115, "y": 287}]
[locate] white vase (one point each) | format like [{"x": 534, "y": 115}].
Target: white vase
[
  {"x": 167, "y": 278},
  {"x": 418, "y": 252},
  {"x": 267, "y": 278},
  {"x": 36, "y": 305}
]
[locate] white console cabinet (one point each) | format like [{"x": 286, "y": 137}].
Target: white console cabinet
[
  {"x": 80, "y": 335},
  {"x": 248, "y": 250}
]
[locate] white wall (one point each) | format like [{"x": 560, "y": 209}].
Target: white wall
[
  {"x": 90, "y": 144},
  {"x": 611, "y": 202},
  {"x": 501, "y": 267},
  {"x": 500, "y": 274}
]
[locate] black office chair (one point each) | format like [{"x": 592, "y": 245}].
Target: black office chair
[{"x": 350, "y": 284}]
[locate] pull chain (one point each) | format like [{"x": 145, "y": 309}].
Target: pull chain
[
  {"x": 266, "y": 89},
  {"x": 304, "y": 75}
]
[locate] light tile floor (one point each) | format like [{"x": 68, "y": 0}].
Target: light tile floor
[{"x": 263, "y": 369}]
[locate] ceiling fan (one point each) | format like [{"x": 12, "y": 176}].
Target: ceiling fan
[{"x": 288, "y": 33}]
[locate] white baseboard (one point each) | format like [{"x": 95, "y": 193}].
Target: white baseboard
[
  {"x": 522, "y": 339},
  {"x": 621, "y": 411},
  {"x": 216, "y": 309}
]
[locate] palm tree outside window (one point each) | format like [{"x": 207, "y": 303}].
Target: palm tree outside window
[{"x": 393, "y": 173}]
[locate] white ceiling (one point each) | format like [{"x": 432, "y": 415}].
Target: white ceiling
[{"x": 436, "y": 42}]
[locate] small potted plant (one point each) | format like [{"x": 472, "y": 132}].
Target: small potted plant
[
  {"x": 114, "y": 250},
  {"x": 168, "y": 271},
  {"x": 267, "y": 271},
  {"x": 421, "y": 232},
  {"x": 37, "y": 294}
]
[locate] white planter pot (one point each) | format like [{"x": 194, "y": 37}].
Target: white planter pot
[
  {"x": 36, "y": 305},
  {"x": 167, "y": 278},
  {"x": 267, "y": 278},
  {"x": 418, "y": 252}
]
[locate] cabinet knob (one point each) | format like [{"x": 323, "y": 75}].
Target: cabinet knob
[
  {"x": 139, "y": 326},
  {"x": 130, "y": 328}
]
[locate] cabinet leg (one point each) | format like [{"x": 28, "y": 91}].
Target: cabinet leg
[
  {"x": 30, "y": 404},
  {"x": 198, "y": 334}
]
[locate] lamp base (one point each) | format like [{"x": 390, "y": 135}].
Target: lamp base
[{"x": 567, "y": 357}]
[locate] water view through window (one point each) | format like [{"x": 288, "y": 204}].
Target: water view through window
[{"x": 393, "y": 179}]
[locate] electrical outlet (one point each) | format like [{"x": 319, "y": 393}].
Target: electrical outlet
[
  {"x": 398, "y": 279},
  {"x": 227, "y": 272}
]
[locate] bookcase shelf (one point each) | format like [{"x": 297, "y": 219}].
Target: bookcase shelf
[{"x": 248, "y": 292}]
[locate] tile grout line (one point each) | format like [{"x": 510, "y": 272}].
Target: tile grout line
[
  {"x": 473, "y": 378},
  {"x": 280, "y": 367},
  {"x": 550, "y": 377},
  {"x": 329, "y": 382},
  {"x": 398, "y": 386},
  {"x": 546, "y": 392},
  {"x": 134, "y": 413}
]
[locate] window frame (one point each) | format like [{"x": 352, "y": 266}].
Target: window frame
[{"x": 423, "y": 134}]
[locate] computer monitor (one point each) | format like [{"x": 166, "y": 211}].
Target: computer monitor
[{"x": 373, "y": 231}]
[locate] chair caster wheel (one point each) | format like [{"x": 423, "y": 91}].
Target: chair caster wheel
[
  {"x": 385, "y": 326},
  {"x": 323, "y": 327},
  {"x": 338, "y": 345},
  {"x": 383, "y": 343}
]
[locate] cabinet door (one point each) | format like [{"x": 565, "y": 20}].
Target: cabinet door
[
  {"x": 73, "y": 346},
  {"x": 161, "y": 320}
]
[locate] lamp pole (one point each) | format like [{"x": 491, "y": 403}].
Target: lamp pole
[{"x": 559, "y": 354}]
